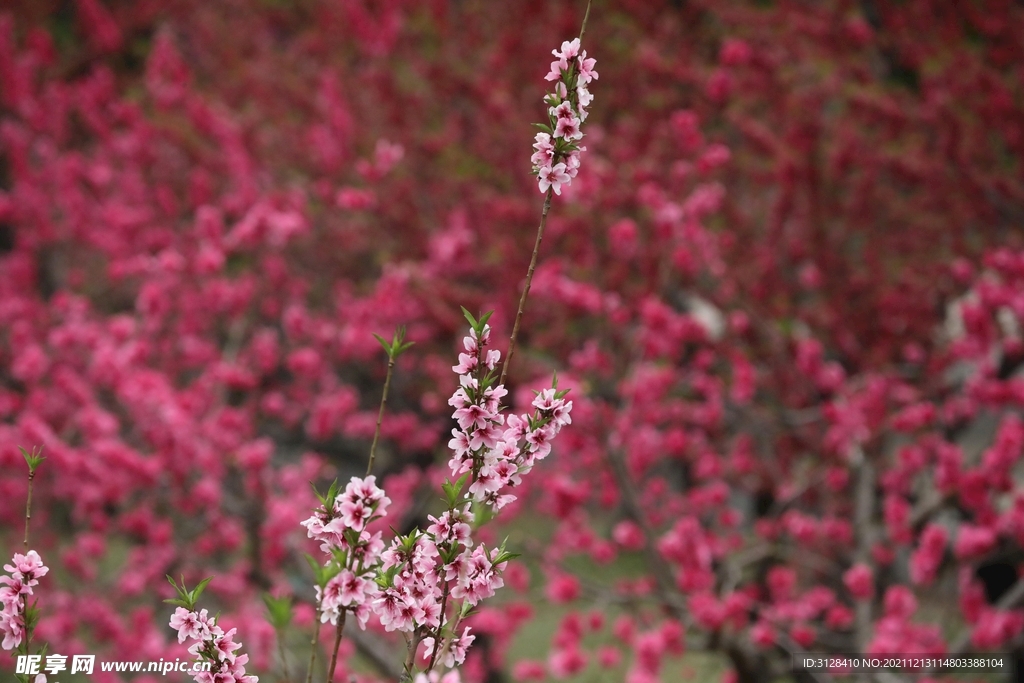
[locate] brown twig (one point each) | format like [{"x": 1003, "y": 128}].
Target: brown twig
[
  {"x": 380, "y": 413},
  {"x": 410, "y": 656},
  {"x": 586, "y": 15},
  {"x": 337, "y": 646},
  {"x": 313, "y": 646},
  {"x": 526, "y": 289},
  {"x": 863, "y": 513},
  {"x": 28, "y": 505},
  {"x": 440, "y": 625},
  {"x": 284, "y": 659}
]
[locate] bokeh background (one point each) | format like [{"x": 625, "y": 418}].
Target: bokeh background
[{"x": 785, "y": 290}]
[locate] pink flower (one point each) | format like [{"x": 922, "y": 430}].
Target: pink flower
[
  {"x": 455, "y": 653},
  {"x": 563, "y": 588},
  {"x": 567, "y": 662},
  {"x": 553, "y": 177},
  {"x": 973, "y": 541},
  {"x": 762, "y": 634},
  {"x": 555, "y": 72},
  {"x": 188, "y": 625},
  {"x": 568, "y": 128},
  {"x": 925, "y": 561},
  {"x": 996, "y": 627},
  {"x": 529, "y": 670},
  {"x": 467, "y": 364},
  {"x": 570, "y": 49},
  {"x": 859, "y": 581},
  {"x": 226, "y": 646},
  {"x": 12, "y": 628},
  {"x": 803, "y": 634},
  {"x": 27, "y": 568},
  {"x": 354, "y": 515},
  {"x": 586, "y": 69},
  {"x": 543, "y": 156},
  {"x": 899, "y": 602},
  {"x": 540, "y": 442}
]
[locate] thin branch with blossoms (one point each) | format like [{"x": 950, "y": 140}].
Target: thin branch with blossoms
[
  {"x": 557, "y": 163},
  {"x": 411, "y": 585},
  {"x": 210, "y": 644},
  {"x": 416, "y": 579},
  {"x": 18, "y": 618},
  {"x": 347, "y": 574}
]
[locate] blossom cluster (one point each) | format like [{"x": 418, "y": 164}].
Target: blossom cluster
[
  {"x": 410, "y": 584},
  {"x": 25, "y": 571},
  {"x": 557, "y": 157},
  {"x": 340, "y": 526},
  {"x": 481, "y": 447},
  {"x": 213, "y": 644}
]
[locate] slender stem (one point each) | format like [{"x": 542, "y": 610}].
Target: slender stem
[
  {"x": 440, "y": 627},
  {"x": 536, "y": 250},
  {"x": 380, "y": 413},
  {"x": 28, "y": 505},
  {"x": 313, "y": 646},
  {"x": 526, "y": 289},
  {"x": 586, "y": 16},
  {"x": 410, "y": 656},
  {"x": 281, "y": 654},
  {"x": 337, "y": 645},
  {"x": 863, "y": 515}
]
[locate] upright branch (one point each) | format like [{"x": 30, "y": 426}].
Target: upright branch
[
  {"x": 18, "y": 618},
  {"x": 863, "y": 513},
  {"x": 556, "y": 160},
  {"x": 586, "y": 15},
  {"x": 412, "y": 643},
  {"x": 526, "y": 287},
  {"x": 312, "y": 647},
  {"x": 411, "y": 585},
  {"x": 214, "y": 646},
  {"x": 33, "y": 461},
  {"x": 279, "y": 613},
  {"x": 337, "y": 646},
  {"x": 396, "y": 348}
]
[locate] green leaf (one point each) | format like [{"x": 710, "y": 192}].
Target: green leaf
[
  {"x": 461, "y": 482},
  {"x": 470, "y": 318},
  {"x": 505, "y": 557},
  {"x": 450, "y": 495},
  {"x": 341, "y": 556},
  {"x": 279, "y": 611},
  {"x": 332, "y": 495},
  {"x": 398, "y": 337},
  {"x": 482, "y": 514},
  {"x": 33, "y": 459},
  {"x": 200, "y": 588}
]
